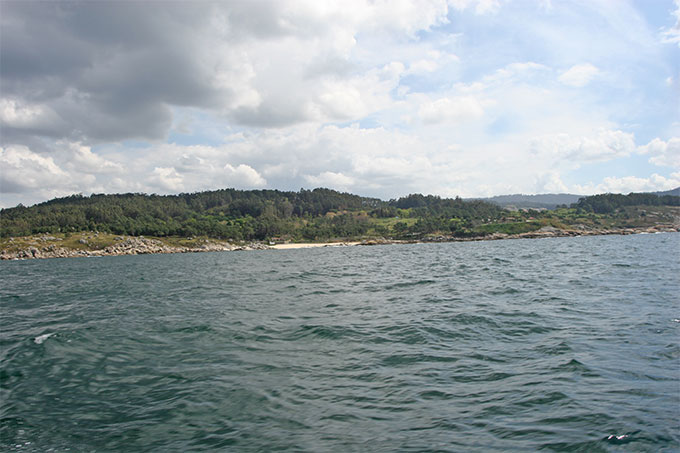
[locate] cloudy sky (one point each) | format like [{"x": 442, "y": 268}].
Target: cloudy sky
[{"x": 380, "y": 98}]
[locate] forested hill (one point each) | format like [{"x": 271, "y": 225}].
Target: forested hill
[
  {"x": 307, "y": 215},
  {"x": 610, "y": 202},
  {"x": 544, "y": 201},
  {"x": 675, "y": 192},
  {"x": 239, "y": 203},
  {"x": 552, "y": 201},
  {"x": 229, "y": 213}
]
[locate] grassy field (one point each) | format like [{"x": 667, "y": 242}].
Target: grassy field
[
  {"x": 72, "y": 241},
  {"x": 627, "y": 217}
]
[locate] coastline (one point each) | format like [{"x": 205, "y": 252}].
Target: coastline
[
  {"x": 44, "y": 247},
  {"x": 309, "y": 245}
]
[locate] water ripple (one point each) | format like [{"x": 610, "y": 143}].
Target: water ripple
[{"x": 567, "y": 344}]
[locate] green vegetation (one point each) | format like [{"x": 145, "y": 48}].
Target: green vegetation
[
  {"x": 608, "y": 203},
  {"x": 509, "y": 228},
  {"x": 307, "y": 215},
  {"x": 315, "y": 215}
]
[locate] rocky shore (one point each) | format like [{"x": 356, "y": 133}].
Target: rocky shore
[
  {"x": 47, "y": 246},
  {"x": 551, "y": 232},
  {"x": 128, "y": 245}
]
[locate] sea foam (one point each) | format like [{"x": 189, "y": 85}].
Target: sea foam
[{"x": 41, "y": 338}]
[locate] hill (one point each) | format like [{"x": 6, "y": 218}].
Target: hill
[
  {"x": 549, "y": 200},
  {"x": 322, "y": 215},
  {"x": 674, "y": 192},
  {"x": 242, "y": 214},
  {"x": 232, "y": 219},
  {"x": 542, "y": 201}
]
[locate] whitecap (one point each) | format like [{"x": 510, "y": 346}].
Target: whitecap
[
  {"x": 40, "y": 338},
  {"x": 614, "y": 436}
]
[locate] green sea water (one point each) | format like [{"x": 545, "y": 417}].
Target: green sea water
[{"x": 562, "y": 344}]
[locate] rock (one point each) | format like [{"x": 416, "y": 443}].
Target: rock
[{"x": 370, "y": 242}]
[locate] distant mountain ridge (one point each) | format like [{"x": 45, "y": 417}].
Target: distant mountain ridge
[
  {"x": 545, "y": 201},
  {"x": 549, "y": 200},
  {"x": 674, "y": 192}
]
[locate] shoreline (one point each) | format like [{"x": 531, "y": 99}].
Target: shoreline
[
  {"x": 309, "y": 245},
  {"x": 139, "y": 245}
]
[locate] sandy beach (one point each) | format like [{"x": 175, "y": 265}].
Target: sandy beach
[
  {"x": 51, "y": 247},
  {"x": 310, "y": 245}
]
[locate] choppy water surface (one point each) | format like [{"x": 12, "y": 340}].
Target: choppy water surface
[{"x": 554, "y": 344}]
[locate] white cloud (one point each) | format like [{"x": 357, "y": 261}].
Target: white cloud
[
  {"x": 175, "y": 168},
  {"x": 450, "y": 109},
  {"x": 331, "y": 180},
  {"x": 369, "y": 161},
  {"x": 70, "y": 168},
  {"x": 80, "y": 158},
  {"x": 480, "y": 6},
  {"x": 603, "y": 146},
  {"x": 513, "y": 73},
  {"x": 423, "y": 66},
  {"x": 359, "y": 96},
  {"x": 22, "y": 169},
  {"x": 22, "y": 115},
  {"x": 629, "y": 184},
  {"x": 672, "y": 35},
  {"x": 402, "y": 15},
  {"x": 167, "y": 178},
  {"x": 242, "y": 176},
  {"x": 579, "y": 75},
  {"x": 550, "y": 182},
  {"x": 664, "y": 154},
  {"x": 218, "y": 57},
  {"x": 262, "y": 97},
  {"x": 27, "y": 172}
]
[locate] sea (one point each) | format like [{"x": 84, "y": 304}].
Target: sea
[{"x": 556, "y": 344}]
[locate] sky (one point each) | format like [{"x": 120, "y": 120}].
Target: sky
[{"x": 382, "y": 98}]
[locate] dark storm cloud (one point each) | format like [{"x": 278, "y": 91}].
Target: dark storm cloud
[
  {"x": 107, "y": 71},
  {"x": 270, "y": 114},
  {"x": 110, "y": 71}
]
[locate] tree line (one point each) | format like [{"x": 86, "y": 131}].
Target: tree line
[
  {"x": 610, "y": 202},
  {"x": 318, "y": 214},
  {"x": 235, "y": 214}
]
